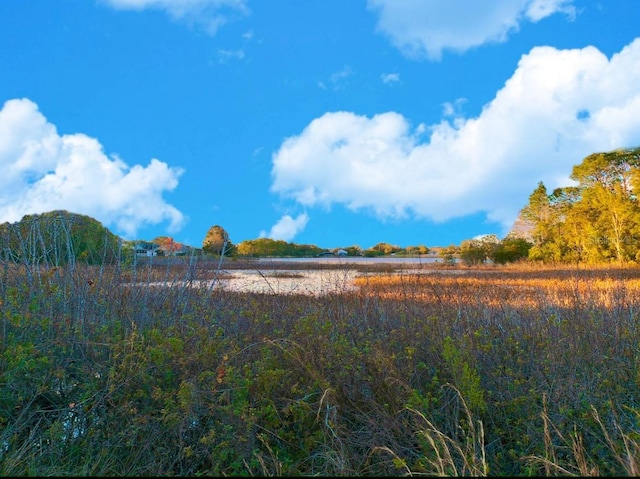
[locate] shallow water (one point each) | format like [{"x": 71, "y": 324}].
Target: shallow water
[{"x": 356, "y": 260}]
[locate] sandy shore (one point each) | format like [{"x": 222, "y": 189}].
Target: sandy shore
[
  {"x": 288, "y": 281},
  {"x": 311, "y": 282}
]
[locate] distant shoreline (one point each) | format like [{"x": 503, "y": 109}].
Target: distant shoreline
[{"x": 355, "y": 260}]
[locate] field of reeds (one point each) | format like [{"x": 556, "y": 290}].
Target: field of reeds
[{"x": 446, "y": 370}]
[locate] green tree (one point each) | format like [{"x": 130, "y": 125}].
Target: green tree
[
  {"x": 539, "y": 212},
  {"x": 472, "y": 252},
  {"x": 385, "y": 248},
  {"x": 59, "y": 237},
  {"x": 449, "y": 253},
  {"x": 511, "y": 249},
  {"x": 547, "y": 213},
  {"x": 275, "y": 248},
  {"x": 478, "y": 250},
  {"x": 353, "y": 250},
  {"x": 417, "y": 250},
  {"x": 595, "y": 221},
  {"x": 608, "y": 203},
  {"x": 217, "y": 242},
  {"x": 610, "y": 170}
]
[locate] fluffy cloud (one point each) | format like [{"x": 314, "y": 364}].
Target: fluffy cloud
[
  {"x": 424, "y": 28},
  {"x": 287, "y": 227},
  {"x": 211, "y": 14},
  {"x": 43, "y": 171},
  {"x": 558, "y": 107}
]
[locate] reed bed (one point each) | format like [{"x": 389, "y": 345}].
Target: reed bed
[{"x": 598, "y": 288}]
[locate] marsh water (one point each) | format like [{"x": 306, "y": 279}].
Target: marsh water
[{"x": 357, "y": 260}]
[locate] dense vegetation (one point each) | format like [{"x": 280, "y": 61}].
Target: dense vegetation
[
  {"x": 58, "y": 237},
  {"x": 595, "y": 221},
  {"x": 267, "y": 247},
  {"x": 114, "y": 365},
  {"x": 217, "y": 242},
  {"x": 137, "y": 369}
]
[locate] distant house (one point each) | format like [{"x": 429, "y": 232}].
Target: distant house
[
  {"x": 143, "y": 248},
  {"x": 337, "y": 252}
]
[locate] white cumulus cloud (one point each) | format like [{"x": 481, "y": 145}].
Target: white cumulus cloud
[
  {"x": 558, "y": 107},
  {"x": 210, "y": 14},
  {"x": 425, "y": 28},
  {"x": 43, "y": 171},
  {"x": 287, "y": 227}
]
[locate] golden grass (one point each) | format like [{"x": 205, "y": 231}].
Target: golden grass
[{"x": 517, "y": 287}]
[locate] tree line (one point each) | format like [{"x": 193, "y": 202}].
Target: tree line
[
  {"x": 595, "y": 220},
  {"x": 217, "y": 242}
]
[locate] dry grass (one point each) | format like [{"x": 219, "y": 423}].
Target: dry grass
[
  {"x": 521, "y": 288},
  {"x": 391, "y": 370}
]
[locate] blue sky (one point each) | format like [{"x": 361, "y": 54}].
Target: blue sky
[{"x": 326, "y": 122}]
